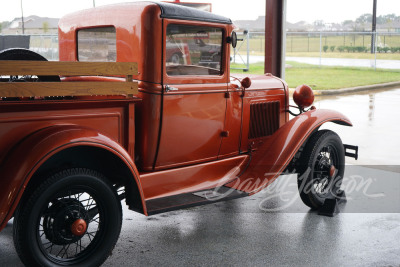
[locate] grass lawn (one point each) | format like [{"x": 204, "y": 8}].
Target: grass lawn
[{"x": 329, "y": 77}]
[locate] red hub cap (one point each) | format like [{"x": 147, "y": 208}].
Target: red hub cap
[
  {"x": 332, "y": 171},
  {"x": 79, "y": 227}
]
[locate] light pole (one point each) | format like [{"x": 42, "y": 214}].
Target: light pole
[
  {"x": 22, "y": 13},
  {"x": 373, "y": 27}
]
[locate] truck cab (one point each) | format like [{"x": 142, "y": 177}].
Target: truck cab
[{"x": 192, "y": 110}]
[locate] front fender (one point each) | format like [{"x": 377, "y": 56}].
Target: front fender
[
  {"x": 273, "y": 156},
  {"x": 26, "y": 157}
]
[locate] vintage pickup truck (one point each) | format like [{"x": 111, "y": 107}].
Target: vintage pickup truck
[{"x": 79, "y": 135}]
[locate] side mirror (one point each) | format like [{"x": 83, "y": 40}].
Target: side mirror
[{"x": 232, "y": 39}]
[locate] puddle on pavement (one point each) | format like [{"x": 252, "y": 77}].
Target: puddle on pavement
[{"x": 375, "y": 116}]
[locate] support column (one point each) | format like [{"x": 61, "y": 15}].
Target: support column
[{"x": 275, "y": 37}]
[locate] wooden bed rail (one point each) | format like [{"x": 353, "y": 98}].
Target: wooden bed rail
[{"x": 56, "y": 68}]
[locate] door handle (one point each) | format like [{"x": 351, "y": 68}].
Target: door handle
[{"x": 170, "y": 88}]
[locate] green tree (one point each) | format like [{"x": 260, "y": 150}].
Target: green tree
[
  {"x": 45, "y": 26},
  {"x": 386, "y": 18},
  {"x": 364, "y": 18},
  {"x": 319, "y": 23},
  {"x": 347, "y": 22}
]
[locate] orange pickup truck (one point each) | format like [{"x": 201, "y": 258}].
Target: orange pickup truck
[{"x": 170, "y": 131}]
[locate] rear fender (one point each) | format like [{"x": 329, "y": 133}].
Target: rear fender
[
  {"x": 272, "y": 157},
  {"x": 33, "y": 151}
]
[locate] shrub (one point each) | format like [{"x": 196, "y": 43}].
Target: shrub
[
  {"x": 349, "y": 49},
  {"x": 332, "y": 48},
  {"x": 360, "y": 49},
  {"x": 340, "y": 48},
  {"x": 325, "y": 47}
]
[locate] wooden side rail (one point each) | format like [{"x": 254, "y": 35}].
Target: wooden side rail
[{"x": 41, "y": 89}]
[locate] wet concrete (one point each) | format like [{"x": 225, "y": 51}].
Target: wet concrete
[
  {"x": 274, "y": 228},
  {"x": 376, "y": 118},
  {"x": 345, "y": 62},
  {"x": 349, "y": 62}
]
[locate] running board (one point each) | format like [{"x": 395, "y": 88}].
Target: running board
[{"x": 186, "y": 200}]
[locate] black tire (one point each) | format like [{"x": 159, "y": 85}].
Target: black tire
[
  {"x": 25, "y": 54},
  {"x": 176, "y": 58},
  {"x": 43, "y": 224},
  {"x": 323, "y": 150}
]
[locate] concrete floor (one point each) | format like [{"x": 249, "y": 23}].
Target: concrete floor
[{"x": 274, "y": 228}]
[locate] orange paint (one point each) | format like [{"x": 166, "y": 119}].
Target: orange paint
[{"x": 209, "y": 130}]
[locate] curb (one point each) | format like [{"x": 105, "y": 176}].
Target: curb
[{"x": 351, "y": 89}]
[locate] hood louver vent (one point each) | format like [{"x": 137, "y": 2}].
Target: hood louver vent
[{"x": 264, "y": 119}]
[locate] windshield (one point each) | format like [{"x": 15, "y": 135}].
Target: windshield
[{"x": 193, "y": 50}]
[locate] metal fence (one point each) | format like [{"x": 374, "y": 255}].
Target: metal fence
[
  {"x": 315, "y": 46},
  {"x": 46, "y": 45},
  {"x": 332, "y": 41},
  {"x": 325, "y": 48},
  {"x": 240, "y": 56},
  {"x": 361, "y": 42}
]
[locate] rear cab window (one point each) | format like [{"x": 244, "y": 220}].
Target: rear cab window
[
  {"x": 97, "y": 44},
  {"x": 193, "y": 50}
]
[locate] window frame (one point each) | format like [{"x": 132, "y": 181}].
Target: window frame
[
  {"x": 91, "y": 28},
  {"x": 194, "y": 79}
]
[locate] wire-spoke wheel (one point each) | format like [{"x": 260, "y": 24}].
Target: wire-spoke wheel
[
  {"x": 72, "y": 218},
  {"x": 321, "y": 168}
]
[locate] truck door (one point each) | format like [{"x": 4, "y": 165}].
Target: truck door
[{"x": 195, "y": 85}]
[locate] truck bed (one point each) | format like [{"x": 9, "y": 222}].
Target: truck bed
[{"x": 28, "y": 105}]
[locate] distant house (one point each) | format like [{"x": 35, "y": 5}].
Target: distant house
[
  {"x": 393, "y": 26},
  {"x": 300, "y": 26},
  {"x": 258, "y": 25},
  {"x": 251, "y": 25},
  {"x": 32, "y": 25}
]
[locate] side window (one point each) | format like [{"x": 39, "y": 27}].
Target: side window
[
  {"x": 97, "y": 44},
  {"x": 193, "y": 50}
]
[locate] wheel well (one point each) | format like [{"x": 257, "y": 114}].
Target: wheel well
[
  {"x": 97, "y": 159},
  {"x": 293, "y": 164}
]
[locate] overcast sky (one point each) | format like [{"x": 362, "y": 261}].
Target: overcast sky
[{"x": 297, "y": 10}]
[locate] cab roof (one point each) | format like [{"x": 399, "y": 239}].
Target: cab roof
[
  {"x": 167, "y": 10},
  {"x": 172, "y": 11}
]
